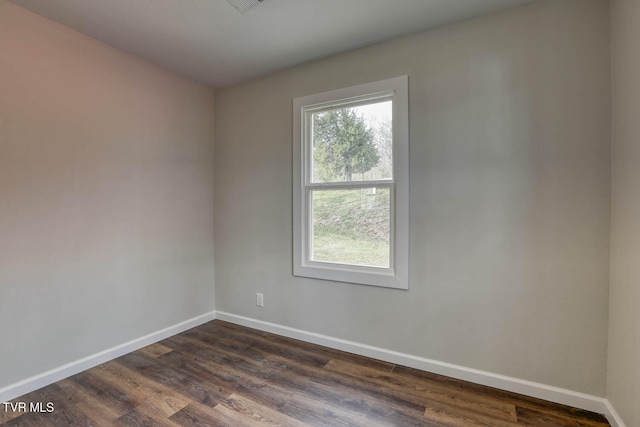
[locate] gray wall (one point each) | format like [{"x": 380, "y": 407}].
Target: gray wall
[
  {"x": 106, "y": 196},
  {"x": 510, "y": 174},
  {"x": 623, "y": 380}
]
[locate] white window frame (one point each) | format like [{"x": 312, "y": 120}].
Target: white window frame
[{"x": 397, "y": 275}]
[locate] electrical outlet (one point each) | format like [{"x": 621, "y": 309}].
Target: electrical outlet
[{"x": 259, "y": 300}]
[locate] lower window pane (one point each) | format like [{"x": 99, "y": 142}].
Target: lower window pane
[{"x": 351, "y": 226}]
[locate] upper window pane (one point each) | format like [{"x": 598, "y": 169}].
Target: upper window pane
[{"x": 353, "y": 143}]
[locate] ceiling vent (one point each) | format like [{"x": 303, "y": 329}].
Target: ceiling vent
[{"x": 244, "y": 6}]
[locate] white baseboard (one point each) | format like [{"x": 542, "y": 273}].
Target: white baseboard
[
  {"x": 612, "y": 415},
  {"x": 516, "y": 385},
  {"x": 49, "y": 377}
]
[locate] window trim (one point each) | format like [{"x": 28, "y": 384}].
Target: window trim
[{"x": 397, "y": 275}]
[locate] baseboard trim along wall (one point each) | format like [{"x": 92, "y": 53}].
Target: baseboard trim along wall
[
  {"x": 612, "y": 415},
  {"x": 49, "y": 377},
  {"x": 516, "y": 385}
]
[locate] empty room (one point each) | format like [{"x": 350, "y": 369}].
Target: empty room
[{"x": 320, "y": 212}]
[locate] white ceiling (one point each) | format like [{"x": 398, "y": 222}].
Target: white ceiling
[{"x": 211, "y": 42}]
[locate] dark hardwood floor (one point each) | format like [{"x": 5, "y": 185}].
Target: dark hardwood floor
[{"x": 220, "y": 374}]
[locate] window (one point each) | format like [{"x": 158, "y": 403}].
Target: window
[{"x": 351, "y": 184}]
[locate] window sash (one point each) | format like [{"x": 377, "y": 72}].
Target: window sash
[
  {"x": 307, "y": 230},
  {"x": 357, "y": 101}
]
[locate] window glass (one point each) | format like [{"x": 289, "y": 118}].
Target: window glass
[
  {"x": 353, "y": 143},
  {"x": 351, "y": 226}
]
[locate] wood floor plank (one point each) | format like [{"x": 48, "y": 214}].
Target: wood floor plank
[
  {"x": 288, "y": 347},
  {"x": 294, "y": 374},
  {"x": 30, "y": 420},
  {"x": 195, "y": 415},
  {"x": 99, "y": 400},
  {"x": 421, "y": 391},
  {"x": 138, "y": 418},
  {"x": 254, "y": 380},
  {"x": 155, "y": 350},
  {"x": 362, "y": 393},
  {"x": 221, "y": 374},
  {"x": 8, "y": 415},
  {"x": 536, "y": 417},
  {"x": 192, "y": 383},
  {"x": 420, "y": 380},
  {"x": 555, "y": 410},
  {"x": 40, "y": 399},
  {"x": 67, "y": 410},
  {"x": 456, "y": 415},
  {"x": 259, "y": 414},
  {"x": 89, "y": 403},
  {"x": 251, "y": 344},
  {"x": 215, "y": 371},
  {"x": 157, "y": 397},
  {"x": 464, "y": 387},
  {"x": 385, "y": 416},
  {"x": 301, "y": 407}
]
